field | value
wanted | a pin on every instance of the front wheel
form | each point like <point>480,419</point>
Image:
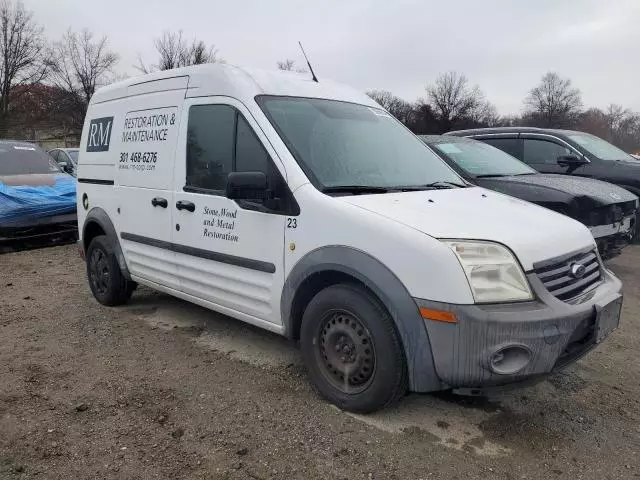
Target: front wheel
<point>352,350</point>
<point>106,281</point>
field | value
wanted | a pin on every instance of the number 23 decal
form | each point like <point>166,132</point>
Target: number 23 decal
<point>292,223</point>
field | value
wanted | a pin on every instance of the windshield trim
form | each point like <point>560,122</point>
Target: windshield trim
<point>313,179</point>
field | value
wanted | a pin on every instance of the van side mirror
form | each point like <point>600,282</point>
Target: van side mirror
<point>571,160</point>
<point>247,186</point>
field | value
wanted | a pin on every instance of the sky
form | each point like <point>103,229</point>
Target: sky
<point>504,46</point>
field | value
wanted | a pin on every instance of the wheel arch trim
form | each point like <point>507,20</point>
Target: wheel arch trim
<point>389,290</point>
<point>98,216</point>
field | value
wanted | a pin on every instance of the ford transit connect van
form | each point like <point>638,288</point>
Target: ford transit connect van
<point>304,208</point>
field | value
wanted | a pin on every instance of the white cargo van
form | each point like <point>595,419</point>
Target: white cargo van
<point>304,208</point>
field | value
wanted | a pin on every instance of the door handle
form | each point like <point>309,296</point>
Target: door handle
<point>184,205</point>
<point>159,202</point>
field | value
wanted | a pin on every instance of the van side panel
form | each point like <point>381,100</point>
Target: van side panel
<point>139,161</point>
<point>146,144</point>
<point>96,164</point>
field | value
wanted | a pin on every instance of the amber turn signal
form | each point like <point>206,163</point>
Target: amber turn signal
<point>438,315</point>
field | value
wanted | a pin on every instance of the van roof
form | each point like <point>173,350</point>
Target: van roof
<point>222,79</point>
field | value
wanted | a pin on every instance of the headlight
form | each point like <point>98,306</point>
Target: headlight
<point>493,273</point>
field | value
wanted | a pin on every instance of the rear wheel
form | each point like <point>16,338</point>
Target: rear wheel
<point>352,350</point>
<point>106,281</point>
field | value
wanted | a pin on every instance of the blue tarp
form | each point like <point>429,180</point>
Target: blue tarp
<point>28,203</point>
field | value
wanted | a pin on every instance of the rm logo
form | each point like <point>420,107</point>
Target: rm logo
<point>99,134</point>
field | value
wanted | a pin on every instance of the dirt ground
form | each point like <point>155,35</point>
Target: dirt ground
<point>163,389</point>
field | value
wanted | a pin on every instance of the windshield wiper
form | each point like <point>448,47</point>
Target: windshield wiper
<point>431,186</point>
<point>498,175</point>
<point>355,189</point>
<point>446,185</point>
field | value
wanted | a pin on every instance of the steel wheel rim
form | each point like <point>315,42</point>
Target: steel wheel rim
<point>99,274</point>
<point>345,352</point>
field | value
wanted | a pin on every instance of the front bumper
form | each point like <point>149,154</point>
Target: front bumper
<point>612,238</point>
<point>27,232</point>
<point>555,333</point>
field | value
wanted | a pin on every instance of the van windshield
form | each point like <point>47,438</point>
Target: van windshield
<point>340,144</point>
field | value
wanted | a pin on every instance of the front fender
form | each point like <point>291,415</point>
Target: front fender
<point>389,290</point>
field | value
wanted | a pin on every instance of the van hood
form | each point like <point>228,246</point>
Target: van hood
<point>533,233</point>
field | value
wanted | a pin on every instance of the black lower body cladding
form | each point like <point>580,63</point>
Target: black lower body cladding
<point>500,344</point>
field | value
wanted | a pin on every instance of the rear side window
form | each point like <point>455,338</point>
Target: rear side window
<point>543,151</point>
<point>220,141</point>
<point>509,145</point>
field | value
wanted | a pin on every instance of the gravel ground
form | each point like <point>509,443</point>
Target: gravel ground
<point>163,389</point>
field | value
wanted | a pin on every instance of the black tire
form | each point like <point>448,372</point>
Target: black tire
<point>352,350</point>
<point>106,281</point>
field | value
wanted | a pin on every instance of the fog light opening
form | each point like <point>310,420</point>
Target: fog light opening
<point>509,360</point>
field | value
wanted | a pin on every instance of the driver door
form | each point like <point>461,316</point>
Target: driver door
<point>230,254</point>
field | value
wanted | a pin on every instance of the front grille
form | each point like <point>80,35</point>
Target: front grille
<point>557,278</point>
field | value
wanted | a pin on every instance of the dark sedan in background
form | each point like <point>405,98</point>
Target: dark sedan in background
<point>66,158</point>
<point>565,152</point>
<point>608,210</point>
<point>37,199</point>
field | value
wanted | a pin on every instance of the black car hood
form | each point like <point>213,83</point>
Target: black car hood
<point>539,188</point>
<point>627,163</point>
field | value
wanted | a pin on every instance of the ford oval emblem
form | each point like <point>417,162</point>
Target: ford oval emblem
<point>615,196</point>
<point>577,270</point>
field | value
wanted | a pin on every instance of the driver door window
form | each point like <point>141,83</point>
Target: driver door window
<point>543,151</point>
<point>219,141</point>
<point>543,154</point>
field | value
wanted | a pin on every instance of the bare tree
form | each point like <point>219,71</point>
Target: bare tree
<point>396,106</point>
<point>288,65</point>
<point>79,65</point>
<point>199,53</point>
<point>22,46</point>
<point>175,52</point>
<point>486,115</point>
<point>554,102</point>
<point>616,115</point>
<point>452,99</point>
